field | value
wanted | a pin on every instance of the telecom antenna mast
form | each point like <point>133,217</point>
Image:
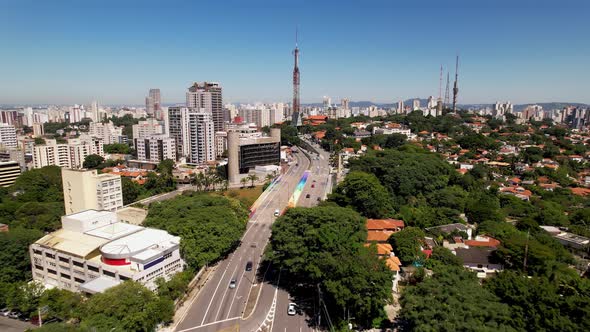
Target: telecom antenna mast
<point>296,116</point>
<point>447,94</point>
<point>455,87</point>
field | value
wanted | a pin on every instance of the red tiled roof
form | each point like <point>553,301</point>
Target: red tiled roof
<point>378,236</point>
<point>384,224</point>
<point>491,242</point>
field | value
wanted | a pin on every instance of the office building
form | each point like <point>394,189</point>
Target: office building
<point>207,96</point>
<point>15,155</point>
<point>9,171</point>
<point>416,105</point>
<point>155,148</point>
<point>344,104</point>
<point>245,154</point>
<point>93,251</point>
<point>86,190</point>
<point>193,132</point>
<point>69,155</point>
<point>153,104</point>
<point>7,135</point>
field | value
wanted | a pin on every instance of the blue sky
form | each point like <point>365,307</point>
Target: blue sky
<point>114,51</point>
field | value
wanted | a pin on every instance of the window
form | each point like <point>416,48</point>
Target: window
<point>39,267</point>
<point>79,264</point>
<point>67,276</point>
<point>63,259</point>
<point>479,266</point>
<point>49,255</point>
<point>92,268</point>
<point>52,271</point>
<point>38,252</point>
<point>123,278</point>
<point>80,281</point>
<point>108,273</point>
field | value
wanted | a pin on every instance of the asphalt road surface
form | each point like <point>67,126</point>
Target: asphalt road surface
<point>218,307</point>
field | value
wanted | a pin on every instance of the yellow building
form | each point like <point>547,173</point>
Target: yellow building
<point>86,190</point>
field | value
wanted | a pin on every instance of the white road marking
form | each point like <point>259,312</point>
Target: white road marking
<point>215,292</point>
<point>224,293</point>
<point>209,324</point>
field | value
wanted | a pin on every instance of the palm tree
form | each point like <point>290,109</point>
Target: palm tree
<point>200,181</point>
<point>269,177</point>
<point>243,181</point>
<point>253,178</point>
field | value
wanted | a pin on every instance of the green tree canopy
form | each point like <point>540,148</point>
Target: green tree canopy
<point>364,193</point>
<point>93,161</point>
<point>209,225</point>
<point>407,243</point>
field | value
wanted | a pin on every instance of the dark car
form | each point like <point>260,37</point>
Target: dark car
<point>313,185</point>
<point>307,196</point>
<point>249,266</point>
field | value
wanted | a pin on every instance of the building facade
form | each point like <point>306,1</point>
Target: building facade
<point>245,154</point>
<point>9,171</point>
<point>155,148</point>
<point>86,189</point>
<point>147,128</point>
<point>86,256</point>
<point>70,155</point>
<point>193,133</point>
<point>7,135</point>
<point>207,96</point>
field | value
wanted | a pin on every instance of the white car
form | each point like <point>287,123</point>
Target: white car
<point>277,212</point>
<point>291,311</point>
<point>232,283</point>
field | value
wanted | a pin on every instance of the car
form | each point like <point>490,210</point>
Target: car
<point>4,312</point>
<point>277,212</point>
<point>291,311</point>
<point>307,196</point>
<point>232,284</point>
<point>15,315</point>
<point>249,266</point>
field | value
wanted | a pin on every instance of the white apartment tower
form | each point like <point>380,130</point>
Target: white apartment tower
<point>155,148</point>
<point>147,128</point>
<point>88,190</point>
<point>207,96</point>
<point>7,135</point>
<point>193,133</point>
<point>70,155</point>
<point>107,132</point>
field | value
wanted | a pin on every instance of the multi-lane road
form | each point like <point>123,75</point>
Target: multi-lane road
<point>221,307</point>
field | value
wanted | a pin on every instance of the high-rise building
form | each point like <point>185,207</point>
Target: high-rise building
<point>7,136</point>
<point>70,155</point>
<point>207,96</point>
<point>88,190</point>
<point>193,132</point>
<point>501,109</point>
<point>107,132</point>
<point>416,104</point>
<point>153,104</point>
<point>344,104</point>
<point>9,117</point>
<point>147,128</point>
<point>95,111</point>
<point>9,171</point>
<point>327,102</point>
<point>38,129</point>
<point>155,148</point>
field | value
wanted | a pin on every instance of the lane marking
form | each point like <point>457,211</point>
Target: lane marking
<point>224,293</point>
<point>209,324</point>
<point>215,292</point>
<point>236,292</point>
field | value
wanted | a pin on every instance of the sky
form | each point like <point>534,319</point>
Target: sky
<point>64,52</point>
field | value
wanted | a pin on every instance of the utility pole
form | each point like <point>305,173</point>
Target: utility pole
<point>526,250</point>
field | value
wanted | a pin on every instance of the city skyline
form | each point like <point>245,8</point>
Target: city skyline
<point>70,53</point>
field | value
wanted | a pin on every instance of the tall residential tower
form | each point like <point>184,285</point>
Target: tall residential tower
<point>207,97</point>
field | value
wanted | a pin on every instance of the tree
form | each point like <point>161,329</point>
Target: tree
<point>131,190</point>
<point>325,246</point>
<point>364,193</point>
<point>126,307</point>
<point>92,161</point>
<point>395,141</point>
<point>14,253</point>
<point>209,225</point>
<point>165,167</point>
<point>482,206</point>
<point>117,148</point>
<point>444,256</point>
<point>407,244</point>
<point>253,178</point>
<point>61,304</point>
<point>453,300</point>
<point>39,185</point>
<point>39,141</point>
<point>176,287</point>
<point>243,181</point>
